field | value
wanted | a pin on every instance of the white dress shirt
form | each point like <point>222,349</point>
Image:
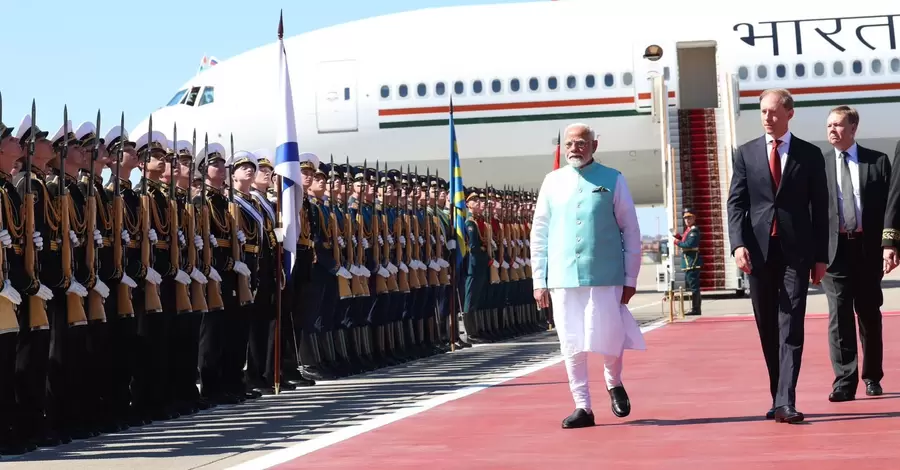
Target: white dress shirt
<point>782,147</point>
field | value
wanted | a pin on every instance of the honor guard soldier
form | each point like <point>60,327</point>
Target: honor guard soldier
<point>66,388</point>
<point>477,278</point>
<point>124,296</point>
<point>190,298</point>
<point>359,218</point>
<point>248,232</point>
<point>152,391</point>
<point>384,281</point>
<point>691,263</point>
<point>16,285</point>
<point>220,270</point>
<point>350,360</point>
<point>391,229</point>
<point>98,260</point>
<point>33,340</point>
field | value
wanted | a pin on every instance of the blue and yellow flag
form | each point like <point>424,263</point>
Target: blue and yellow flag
<point>457,193</point>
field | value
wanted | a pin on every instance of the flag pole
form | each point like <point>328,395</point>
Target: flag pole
<point>454,322</point>
<point>279,265</point>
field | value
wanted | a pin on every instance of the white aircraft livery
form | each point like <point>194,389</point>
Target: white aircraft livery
<point>380,88</point>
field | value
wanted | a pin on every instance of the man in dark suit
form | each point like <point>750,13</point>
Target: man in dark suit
<point>778,226</point>
<point>858,183</point>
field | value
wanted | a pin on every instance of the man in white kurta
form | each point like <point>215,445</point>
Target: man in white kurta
<point>585,255</point>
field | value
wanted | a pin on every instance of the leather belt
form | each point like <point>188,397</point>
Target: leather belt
<point>850,235</point>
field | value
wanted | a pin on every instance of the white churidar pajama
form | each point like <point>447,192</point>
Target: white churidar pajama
<point>592,319</point>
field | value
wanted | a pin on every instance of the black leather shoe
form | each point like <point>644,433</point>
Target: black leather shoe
<point>840,395</point>
<point>788,414</point>
<point>579,419</point>
<point>771,413</point>
<point>873,389</point>
<point>619,402</point>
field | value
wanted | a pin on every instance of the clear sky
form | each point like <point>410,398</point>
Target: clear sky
<point>126,56</point>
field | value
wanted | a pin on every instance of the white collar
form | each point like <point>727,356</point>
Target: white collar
<point>853,151</point>
<point>785,139</point>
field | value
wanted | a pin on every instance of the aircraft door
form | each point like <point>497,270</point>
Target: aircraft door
<point>336,101</point>
<point>651,58</point>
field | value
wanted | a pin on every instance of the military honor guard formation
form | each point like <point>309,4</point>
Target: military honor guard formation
<point>118,300</point>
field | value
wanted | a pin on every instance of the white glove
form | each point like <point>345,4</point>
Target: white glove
<point>380,241</point>
<point>355,242</point>
<point>214,275</point>
<point>527,242</point>
<point>212,241</point>
<point>128,281</point>
<point>515,265</point>
<point>494,244</point>
<point>422,266</point>
<point>365,243</point>
<point>434,266</point>
<point>126,238</point>
<point>404,267</point>
<point>443,240</point>
<point>520,261</point>
<point>74,238</point>
<point>101,289</point>
<point>443,263</point>
<point>505,265</point>
<point>241,237</point>
<point>153,277</point>
<point>402,240</point>
<point>198,243</point>
<point>391,268</point>
<point>421,240</point>
<point>521,243</point>
<point>241,268</point>
<point>198,276</point>
<point>451,244</point>
<point>182,277</point>
<point>38,241</point>
<point>180,238</point>
<point>98,239</point>
<point>527,262</point>
<point>364,271</point>
<point>5,238</point>
<point>433,240</point>
<point>344,273</point>
<point>9,292</point>
<point>354,270</point>
<point>342,242</point>
<point>44,292</point>
<point>390,239</point>
<point>495,264</point>
<point>505,242</point>
<point>77,289</point>
<point>151,234</point>
<point>383,272</point>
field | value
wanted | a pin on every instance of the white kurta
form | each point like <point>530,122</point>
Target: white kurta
<point>593,318</point>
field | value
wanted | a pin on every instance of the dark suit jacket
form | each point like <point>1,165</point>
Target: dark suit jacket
<point>800,205</point>
<point>890,236</point>
<point>874,182</point>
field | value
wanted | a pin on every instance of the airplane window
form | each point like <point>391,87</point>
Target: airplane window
<point>402,90</point>
<point>799,70</point>
<point>895,65</point>
<point>838,68</point>
<point>743,73</point>
<point>192,98</point>
<point>439,89</point>
<point>762,72</point>
<point>496,86</point>
<point>876,66</point>
<point>666,73</point>
<point>514,85</point>
<point>421,89</point>
<point>476,87</point>
<point>780,71</point>
<point>571,82</point>
<point>627,79</point>
<point>533,84</point>
<point>857,67</point>
<point>552,83</point>
<point>385,91</point>
<point>346,94</point>
<point>819,69</point>
<point>589,81</point>
<point>459,88</point>
<point>177,98</point>
<point>208,96</point>
<point>609,80</point>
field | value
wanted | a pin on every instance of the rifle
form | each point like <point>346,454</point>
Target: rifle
<point>417,233</point>
<point>9,323</point>
<point>444,274</point>
<point>198,294</point>
<point>182,298</point>
<point>381,286</point>
<point>245,296</point>
<point>152,303</point>
<point>123,297</point>
<point>344,291</point>
<point>360,232</point>
<point>508,246</point>
<point>37,307</point>
<point>74,306</point>
<point>408,214</point>
<point>489,234</point>
<point>385,255</point>
<point>356,285</point>
<point>433,279</point>
<point>96,309</point>
<point>402,277</point>
<point>213,288</point>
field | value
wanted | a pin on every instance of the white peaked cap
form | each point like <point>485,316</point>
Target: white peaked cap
<point>86,131</point>
<point>214,147</point>
<point>183,146</point>
<point>243,156</point>
<point>25,128</point>
<point>114,135</point>
<point>159,139</point>
<point>309,157</point>
<point>62,131</point>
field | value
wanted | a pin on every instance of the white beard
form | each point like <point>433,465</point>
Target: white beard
<point>577,162</point>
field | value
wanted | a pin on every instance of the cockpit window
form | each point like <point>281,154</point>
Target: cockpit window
<point>208,95</point>
<point>177,98</point>
<point>193,96</point>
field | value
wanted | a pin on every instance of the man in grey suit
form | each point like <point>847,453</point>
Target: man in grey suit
<point>858,184</point>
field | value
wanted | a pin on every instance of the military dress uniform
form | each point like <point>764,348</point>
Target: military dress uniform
<point>691,262</point>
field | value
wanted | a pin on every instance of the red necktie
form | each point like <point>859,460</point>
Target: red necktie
<point>775,170</point>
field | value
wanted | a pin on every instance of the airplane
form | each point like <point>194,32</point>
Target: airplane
<point>380,88</point>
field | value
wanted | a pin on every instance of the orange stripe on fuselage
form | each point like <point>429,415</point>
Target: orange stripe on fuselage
<point>829,89</point>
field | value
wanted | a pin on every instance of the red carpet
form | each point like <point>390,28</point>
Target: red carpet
<point>699,394</point>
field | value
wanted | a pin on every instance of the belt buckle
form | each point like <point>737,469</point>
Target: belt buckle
<point>851,235</point>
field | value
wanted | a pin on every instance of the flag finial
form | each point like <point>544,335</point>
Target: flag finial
<point>280,24</point>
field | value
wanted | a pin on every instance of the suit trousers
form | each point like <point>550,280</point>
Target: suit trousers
<point>778,294</point>
<point>853,282</point>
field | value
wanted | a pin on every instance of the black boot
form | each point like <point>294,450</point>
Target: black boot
<point>695,303</point>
